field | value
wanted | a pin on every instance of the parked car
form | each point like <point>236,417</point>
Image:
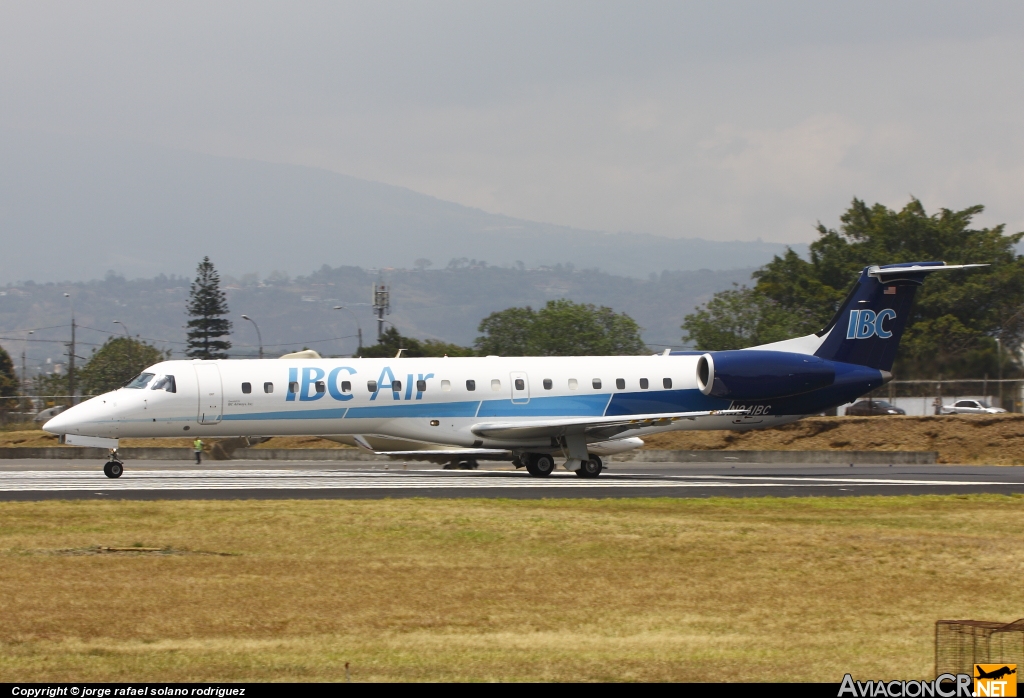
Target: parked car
<point>971,407</point>
<point>872,408</point>
<point>49,413</point>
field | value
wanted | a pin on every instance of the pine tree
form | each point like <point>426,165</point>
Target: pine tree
<point>206,305</point>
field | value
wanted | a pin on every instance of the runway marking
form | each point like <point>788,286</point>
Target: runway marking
<point>333,479</point>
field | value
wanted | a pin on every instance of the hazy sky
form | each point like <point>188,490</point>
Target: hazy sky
<point>718,120</point>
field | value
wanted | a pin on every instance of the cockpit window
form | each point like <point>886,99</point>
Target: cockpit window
<point>139,381</point>
<point>165,383</point>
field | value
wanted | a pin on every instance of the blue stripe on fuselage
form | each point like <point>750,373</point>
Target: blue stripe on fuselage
<point>593,405</point>
<point>653,402</point>
<point>555,406</point>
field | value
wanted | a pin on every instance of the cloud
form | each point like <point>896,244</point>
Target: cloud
<point>725,120</point>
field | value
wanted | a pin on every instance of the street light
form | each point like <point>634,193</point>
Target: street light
<point>123,327</point>
<point>358,327</point>
<point>259,337</point>
<point>128,347</point>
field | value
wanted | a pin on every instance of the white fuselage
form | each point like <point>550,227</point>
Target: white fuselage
<point>427,400</point>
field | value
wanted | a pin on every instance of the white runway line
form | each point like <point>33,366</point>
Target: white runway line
<point>327,479</point>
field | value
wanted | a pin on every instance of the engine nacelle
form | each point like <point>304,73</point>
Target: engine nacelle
<point>761,375</point>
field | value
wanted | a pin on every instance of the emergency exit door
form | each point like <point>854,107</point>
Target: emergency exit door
<point>520,387</point>
<point>211,393</point>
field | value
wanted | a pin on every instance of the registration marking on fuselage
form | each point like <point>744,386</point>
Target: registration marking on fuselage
<point>333,479</point>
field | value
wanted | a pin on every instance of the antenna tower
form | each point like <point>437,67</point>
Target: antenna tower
<point>381,304</point>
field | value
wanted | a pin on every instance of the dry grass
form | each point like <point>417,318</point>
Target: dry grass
<point>641,589</point>
<point>971,439</point>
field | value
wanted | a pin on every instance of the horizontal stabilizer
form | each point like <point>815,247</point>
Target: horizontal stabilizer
<point>891,270</point>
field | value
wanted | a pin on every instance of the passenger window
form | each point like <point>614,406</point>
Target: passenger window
<point>346,386</point>
<point>643,384</point>
<point>596,383</point>
<point>246,388</point>
<point>667,382</point>
<point>321,387</point>
<point>396,386</point>
<point>470,385</point>
<point>421,386</point>
<point>520,384</point>
<point>371,386</point>
<point>293,387</point>
<point>268,387</point>
<point>547,384</point>
<point>572,384</point>
<point>446,386</point>
<point>620,383</point>
<point>495,384</point>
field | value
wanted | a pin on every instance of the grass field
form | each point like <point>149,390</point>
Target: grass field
<point>628,589</point>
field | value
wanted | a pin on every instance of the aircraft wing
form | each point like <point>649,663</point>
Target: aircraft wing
<point>437,455</point>
<point>603,427</point>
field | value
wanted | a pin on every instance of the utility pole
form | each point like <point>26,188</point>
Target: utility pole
<point>381,305</point>
<point>71,354</point>
<point>999,360</point>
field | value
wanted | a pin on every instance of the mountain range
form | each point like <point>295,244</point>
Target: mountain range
<point>72,209</point>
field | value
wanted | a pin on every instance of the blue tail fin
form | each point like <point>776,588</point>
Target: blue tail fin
<point>867,328</point>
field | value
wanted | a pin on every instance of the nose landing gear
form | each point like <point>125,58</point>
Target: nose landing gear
<point>114,466</point>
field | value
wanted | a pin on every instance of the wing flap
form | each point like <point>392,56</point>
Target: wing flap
<point>597,426</point>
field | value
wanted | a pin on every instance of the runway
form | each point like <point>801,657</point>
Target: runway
<point>34,480</point>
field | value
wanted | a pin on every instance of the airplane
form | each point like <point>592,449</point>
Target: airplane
<point>995,674</point>
<point>528,410</point>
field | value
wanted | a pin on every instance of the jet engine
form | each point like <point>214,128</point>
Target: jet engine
<point>761,375</point>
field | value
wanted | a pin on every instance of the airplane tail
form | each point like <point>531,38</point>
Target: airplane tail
<point>868,326</point>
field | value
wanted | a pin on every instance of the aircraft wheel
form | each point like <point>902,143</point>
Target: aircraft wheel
<point>540,464</point>
<point>468,464</point>
<point>113,469</point>
<point>591,468</point>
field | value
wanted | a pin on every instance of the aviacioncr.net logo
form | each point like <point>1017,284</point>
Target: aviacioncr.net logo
<point>945,686</point>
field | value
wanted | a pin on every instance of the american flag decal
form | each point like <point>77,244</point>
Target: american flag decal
<point>890,291</point>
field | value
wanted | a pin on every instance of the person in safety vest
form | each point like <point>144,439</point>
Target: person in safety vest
<point>197,446</point>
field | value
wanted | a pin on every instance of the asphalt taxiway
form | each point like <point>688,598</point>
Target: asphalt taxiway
<point>57,479</point>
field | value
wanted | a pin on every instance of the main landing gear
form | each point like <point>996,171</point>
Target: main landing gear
<point>114,466</point>
<point>539,464</point>
<point>542,465</point>
<point>591,467</point>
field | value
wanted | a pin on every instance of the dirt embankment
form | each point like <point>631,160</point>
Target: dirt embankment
<point>37,438</point>
<point>976,439</point>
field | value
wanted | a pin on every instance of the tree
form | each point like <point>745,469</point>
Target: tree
<point>740,318</point>
<point>560,328</point>
<point>391,341</point>
<point>956,318</point>
<point>206,306</point>
<point>117,361</point>
<point>8,380</point>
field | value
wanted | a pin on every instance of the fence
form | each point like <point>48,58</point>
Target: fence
<point>918,397</point>
<point>960,644</point>
<point>25,408</point>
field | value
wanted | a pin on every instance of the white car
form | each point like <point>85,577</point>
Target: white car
<point>971,407</point>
